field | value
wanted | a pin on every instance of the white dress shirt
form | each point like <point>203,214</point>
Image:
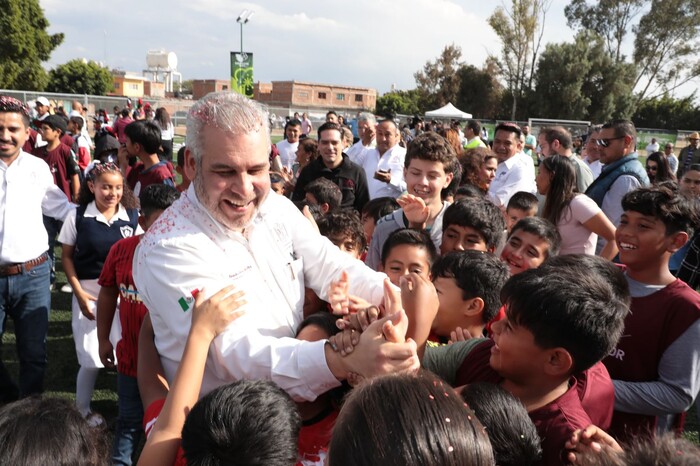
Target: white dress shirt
<point>272,261</point>
<point>354,152</point>
<point>393,161</point>
<point>27,191</point>
<point>513,175</point>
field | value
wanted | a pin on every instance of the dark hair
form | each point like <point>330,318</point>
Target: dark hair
<point>325,192</point>
<point>292,122</point>
<point>145,133</point>
<point>477,274</point>
<point>331,112</point>
<point>85,196</point>
<point>510,128</point>
<point>249,422</point>
<point>431,147</point>
<point>406,419</point>
<point>77,121</point>
<point>479,214</point>
<point>472,161</point>
<point>575,308</point>
<point>418,238</point>
<point>157,196</point>
<point>663,170</point>
<point>664,202</point>
<point>324,320</point>
<point>162,116</point>
<point>557,133</point>
<point>562,186</point>
<point>125,112</point>
<point>522,200</point>
<point>11,105</point>
<point>667,450</point>
<point>310,146</point>
<point>344,223</point>
<point>379,207</point>
<point>452,188</point>
<point>512,433</point>
<point>475,126</point>
<point>542,228</point>
<point>622,128</point>
<point>328,126</point>
<point>181,157</point>
<point>38,430</point>
<point>469,190</point>
<point>314,209</point>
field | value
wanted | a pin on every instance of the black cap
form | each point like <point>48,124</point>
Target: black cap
<point>105,143</point>
<point>55,122</point>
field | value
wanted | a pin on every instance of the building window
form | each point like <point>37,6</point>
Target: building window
<point>358,97</point>
<point>340,97</point>
<point>321,95</point>
<point>304,94</point>
<point>135,87</point>
<point>116,85</point>
<point>224,87</point>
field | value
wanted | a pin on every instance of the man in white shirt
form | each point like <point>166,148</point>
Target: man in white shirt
<point>516,171</point>
<point>228,228</point>
<point>384,165</point>
<point>652,147</point>
<point>366,123</point>
<point>288,147</point>
<point>27,183</point>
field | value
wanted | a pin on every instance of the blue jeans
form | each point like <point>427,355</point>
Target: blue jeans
<point>26,299</point>
<point>53,228</point>
<point>129,422</point>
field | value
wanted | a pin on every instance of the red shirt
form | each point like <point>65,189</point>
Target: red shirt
<point>314,439</point>
<point>62,166</point>
<point>139,177</point>
<point>117,272</point>
<point>119,126</point>
<point>150,416</point>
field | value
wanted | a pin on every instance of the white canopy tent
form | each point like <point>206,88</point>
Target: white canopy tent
<point>448,111</point>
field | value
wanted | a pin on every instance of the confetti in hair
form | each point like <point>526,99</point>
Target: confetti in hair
<point>11,105</point>
<point>101,168</point>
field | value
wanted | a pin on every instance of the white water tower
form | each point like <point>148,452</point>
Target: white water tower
<point>162,66</point>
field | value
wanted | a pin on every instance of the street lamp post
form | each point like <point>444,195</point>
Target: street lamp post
<point>242,19</point>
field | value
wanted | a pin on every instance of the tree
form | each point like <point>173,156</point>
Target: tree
<point>577,81</point>
<point>520,30</point>
<point>80,77</point>
<point>479,91</point>
<point>25,44</point>
<point>666,112</point>
<point>611,19</point>
<point>400,103</point>
<point>439,80</point>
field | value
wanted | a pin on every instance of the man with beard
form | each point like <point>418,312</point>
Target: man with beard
<point>229,229</point>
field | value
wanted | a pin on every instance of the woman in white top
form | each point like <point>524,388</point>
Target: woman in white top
<point>577,217</point>
<point>167,132</point>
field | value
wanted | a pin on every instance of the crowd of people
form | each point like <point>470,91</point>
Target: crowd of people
<point>418,295</point>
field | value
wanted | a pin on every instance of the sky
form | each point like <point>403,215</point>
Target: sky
<point>368,43</point>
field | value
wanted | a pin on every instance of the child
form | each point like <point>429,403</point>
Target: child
<point>106,213</point>
<point>429,165</point>
<point>472,224</point>
<point>142,140</point>
<point>117,283</point>
<point>468,285</point>
<point>522,204</point>
<point>407,251</point>
<point>531,241</point>
<point>654,367</point>
<point>277,184</point>
<point>82,144</point>
<point>373,211</point>
<point>180,169</point>
<point>325,193</point>
<point>560,322</point>
<point>344,229</point>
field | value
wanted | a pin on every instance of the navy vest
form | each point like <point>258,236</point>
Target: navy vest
<point>94,240</point>
<point>627,165</point>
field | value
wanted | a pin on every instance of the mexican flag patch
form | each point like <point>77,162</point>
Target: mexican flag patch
<point>186,302</point>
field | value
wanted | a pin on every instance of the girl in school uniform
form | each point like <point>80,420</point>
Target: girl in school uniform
<point>107,212</point>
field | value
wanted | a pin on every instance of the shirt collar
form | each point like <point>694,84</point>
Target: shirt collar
<point>92,211</point>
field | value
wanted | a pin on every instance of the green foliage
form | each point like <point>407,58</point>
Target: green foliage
<point>581,81</point>
<point>80,77</point>
<point>25,44</point>
<point>669,113</point>
<point>439,80</point>
<point>479,92</point>
<point>400,102</point>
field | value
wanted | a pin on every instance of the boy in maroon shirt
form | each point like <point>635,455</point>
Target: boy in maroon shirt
<point>143,142</point>
<point>59,156</point>
<point>655,365</point>
<point>117,281</point>
<point>560,322</point>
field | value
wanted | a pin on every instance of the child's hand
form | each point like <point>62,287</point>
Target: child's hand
<point>415,210</point>
<point>460,334</point>
<point>86,302</point>
<point>210,317</point>
<point>590,441</point>
<point>338,296</point>
<point>419,299</point>
<point>106,352</point>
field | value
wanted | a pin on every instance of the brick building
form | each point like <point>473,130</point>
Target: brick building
<point>202,87</point>
<point>296,94</point>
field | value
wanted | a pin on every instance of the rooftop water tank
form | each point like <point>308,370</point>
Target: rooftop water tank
<point>161,59</point>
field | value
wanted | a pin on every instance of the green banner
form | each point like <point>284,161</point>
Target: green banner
<point>242,73</point>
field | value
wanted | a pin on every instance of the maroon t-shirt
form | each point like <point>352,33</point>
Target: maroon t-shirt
<point>117,272</point>
<point>139,177</point>
<point>30,142</point>
<point>62,166</point>
<point>654,323</point>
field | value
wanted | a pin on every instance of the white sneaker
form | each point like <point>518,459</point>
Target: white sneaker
<point>66,288</point>
<point>95,420</point>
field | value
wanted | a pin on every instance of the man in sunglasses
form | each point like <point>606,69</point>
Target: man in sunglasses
<point>622,171</point>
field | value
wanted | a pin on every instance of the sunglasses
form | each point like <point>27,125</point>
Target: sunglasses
<point>606,142</point>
